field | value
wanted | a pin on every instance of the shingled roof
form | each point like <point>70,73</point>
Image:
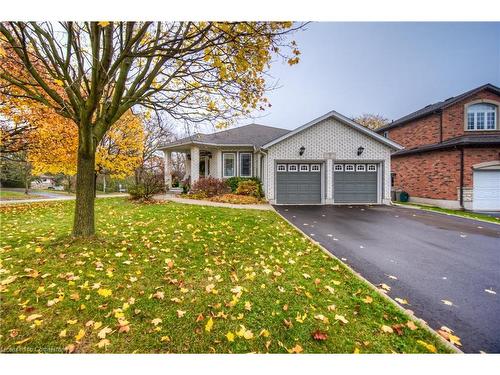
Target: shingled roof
<point>248,135</point>
<point>431,108</point>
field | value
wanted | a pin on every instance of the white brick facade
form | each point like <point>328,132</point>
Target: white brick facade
<point>328,141</point>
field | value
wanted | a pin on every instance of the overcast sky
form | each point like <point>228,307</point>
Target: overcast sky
<point>390,69</point>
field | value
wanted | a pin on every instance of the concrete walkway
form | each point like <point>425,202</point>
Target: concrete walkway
<point>60,198</point>
<point>173,198</point>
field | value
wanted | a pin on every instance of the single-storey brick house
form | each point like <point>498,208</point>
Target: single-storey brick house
<point>452,151</point>
<point>330,160</point>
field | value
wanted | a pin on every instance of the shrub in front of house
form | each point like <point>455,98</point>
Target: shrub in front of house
<point>185,185</point>
<point>233,183</point>
<point>150,185</point>
<point>249,188</point>
<point>210,187</point>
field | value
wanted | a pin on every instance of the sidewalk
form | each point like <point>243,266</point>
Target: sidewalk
<point>61,198</point>
<point>173,198</point>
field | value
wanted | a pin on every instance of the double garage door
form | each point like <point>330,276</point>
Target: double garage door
<point>302,183</point>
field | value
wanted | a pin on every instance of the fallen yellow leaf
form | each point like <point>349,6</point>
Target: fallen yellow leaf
<point>296,349</point>
<point>402,301</point>
<point>209,325</point>
<point>80,335</point>
<point>367,299</point>
<point>103,332</point>
<point>104,292</point>
<point>428,346</point>
<point>411,325</point>
<point>341,318</point>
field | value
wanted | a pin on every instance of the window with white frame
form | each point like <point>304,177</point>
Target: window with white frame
<point>228,165</point>
<point>349,168</point>
<point>360,168</point>
<point>281,168</point>
<point>372,167</point>
<point>293,168</point>
<point>304,168</point>
<point>338,168</point>
<point>482,116</point>
<point>245,164</point>
<point>315,167</point>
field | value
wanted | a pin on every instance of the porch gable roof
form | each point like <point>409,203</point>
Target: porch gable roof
<point>252,135</point>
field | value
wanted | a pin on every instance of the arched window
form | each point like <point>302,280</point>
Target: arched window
<point>482,116</point>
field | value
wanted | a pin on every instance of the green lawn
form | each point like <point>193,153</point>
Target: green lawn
<point>184,278</point>
<point>467,214</point>
<point>12,195</point>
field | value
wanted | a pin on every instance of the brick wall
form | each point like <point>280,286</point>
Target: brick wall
<point>417,133</point>
<point>434,175</point>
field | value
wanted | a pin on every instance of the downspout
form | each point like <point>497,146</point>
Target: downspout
<point>462,178</point>
<point>440,126</point>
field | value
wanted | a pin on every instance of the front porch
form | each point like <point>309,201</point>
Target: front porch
<point>214,161</point>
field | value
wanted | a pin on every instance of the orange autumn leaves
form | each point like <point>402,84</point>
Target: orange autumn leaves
<point>53,147</point>
<point>51,140</point>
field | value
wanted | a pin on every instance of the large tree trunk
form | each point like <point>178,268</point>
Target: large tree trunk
<point>83,225</point>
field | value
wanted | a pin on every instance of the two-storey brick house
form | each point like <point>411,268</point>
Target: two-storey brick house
<point>452,151</point>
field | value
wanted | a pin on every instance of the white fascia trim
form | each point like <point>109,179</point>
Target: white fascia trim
<point>344,120</point>
<point>204,144</point>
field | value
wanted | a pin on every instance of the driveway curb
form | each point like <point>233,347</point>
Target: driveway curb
<point>422,323</point>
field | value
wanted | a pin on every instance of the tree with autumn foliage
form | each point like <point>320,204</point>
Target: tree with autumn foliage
<point>371,121</point>
<point>53,147</point>
<point>94,72</point>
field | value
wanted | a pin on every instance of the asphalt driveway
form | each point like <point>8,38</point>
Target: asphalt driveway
<point>425,257</point>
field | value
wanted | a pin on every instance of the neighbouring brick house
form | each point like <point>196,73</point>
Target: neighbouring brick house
<point>452,151</point>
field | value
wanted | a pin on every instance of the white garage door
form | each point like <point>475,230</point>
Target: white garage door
<point>486,194</point>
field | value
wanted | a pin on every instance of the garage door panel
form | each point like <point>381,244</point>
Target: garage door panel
<point>298,187</point>
<point>355,187</point>
<point>486,190</point>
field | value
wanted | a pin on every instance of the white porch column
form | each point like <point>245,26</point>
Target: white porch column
<point>168,169</point>
<point>257,162</point>
<point>329,181</point>
<point>207,167</point>
<point>187,165</point>
<point>217,172</point>
<point>195,164</point>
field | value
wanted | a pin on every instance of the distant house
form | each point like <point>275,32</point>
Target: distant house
<point>330,160</point>
<point>43,182</point>
<point>452,151</point>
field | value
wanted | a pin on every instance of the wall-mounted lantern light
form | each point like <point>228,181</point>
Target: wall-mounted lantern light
<point>360,150</point>
<point>301,150</point>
